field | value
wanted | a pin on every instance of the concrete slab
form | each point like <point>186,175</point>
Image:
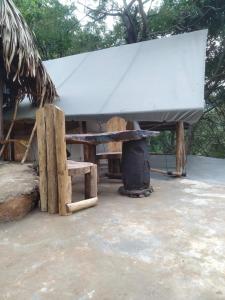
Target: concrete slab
<point>170,245</point>
<point>206,169</point>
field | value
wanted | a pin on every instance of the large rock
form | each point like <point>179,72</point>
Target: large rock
<point>19,190</point>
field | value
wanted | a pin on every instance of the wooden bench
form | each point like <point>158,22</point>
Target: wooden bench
<point>89,170</point>
<point>55,171</point>
<point>114,163</point>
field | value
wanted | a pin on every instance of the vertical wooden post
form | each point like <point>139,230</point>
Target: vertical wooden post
<point>180,148</point>
<point>42,157</point>
<point>1,107</point>
<point>64,181</point>
<point>91,183</point>
<point>115,124</point>
<point>90,153</point>
<point>53,206</point>
<point>84,126</point>
<point>90,156</point>
<point>55,184</point>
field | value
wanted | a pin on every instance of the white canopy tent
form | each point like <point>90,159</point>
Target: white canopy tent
<point>159,81</point>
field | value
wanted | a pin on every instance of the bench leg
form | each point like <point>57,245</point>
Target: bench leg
<point>91,183</point>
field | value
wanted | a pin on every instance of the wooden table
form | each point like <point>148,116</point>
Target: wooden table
<point>90,140</point>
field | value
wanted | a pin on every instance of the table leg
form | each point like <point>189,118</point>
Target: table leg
<point>90,156</point>
<point>90,153</point>
<point>135,169</point>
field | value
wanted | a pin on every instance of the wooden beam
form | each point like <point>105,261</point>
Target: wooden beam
<point>107,137</point>
<point>109,155</point>
<point>42,157</point>
<point>76,206</point>
<point>53,206</point>
<point>90,153</point>
<point>115,124</point>
<point>64,181</point>
<point>1,107</point>
<point>180,149</point>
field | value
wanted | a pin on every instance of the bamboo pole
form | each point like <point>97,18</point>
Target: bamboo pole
<point>34,130</point>
<point>163,172</point>
<point>76,206</point>
<point>29,143</point>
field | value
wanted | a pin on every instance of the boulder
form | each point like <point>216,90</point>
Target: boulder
<point>19,190</point>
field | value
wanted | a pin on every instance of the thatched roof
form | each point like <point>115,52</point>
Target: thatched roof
<point>23,70</point>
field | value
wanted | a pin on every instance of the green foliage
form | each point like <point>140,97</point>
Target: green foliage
<point>57,29</point>
<point>181,16</point>
<point>52,23</point>
<point>164,143</point>
<point>209,138</point>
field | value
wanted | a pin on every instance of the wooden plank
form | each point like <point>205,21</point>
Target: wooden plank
<point>78,168</point>
<point>91,183</point>
<point>42,157</point>
<point>115,124</point>
<point>107,137</point>
<point>76,206</point>
<point>64,181</point>
<point>109,155</point>
<point>51,160</point>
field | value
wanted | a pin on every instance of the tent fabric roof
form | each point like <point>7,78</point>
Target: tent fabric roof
<point>159,80</point>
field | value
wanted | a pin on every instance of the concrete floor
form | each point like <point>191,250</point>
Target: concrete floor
<point>168,246</point>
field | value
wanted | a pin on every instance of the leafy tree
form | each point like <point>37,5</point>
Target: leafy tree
<point>57,29</point>
<point>132,18</point>
<point>54,25</point>
<point>174,17</point>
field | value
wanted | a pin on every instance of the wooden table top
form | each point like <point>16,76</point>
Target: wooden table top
<point>107,137</point>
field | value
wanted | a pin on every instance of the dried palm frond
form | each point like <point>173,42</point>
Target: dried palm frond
<point>19,57</point>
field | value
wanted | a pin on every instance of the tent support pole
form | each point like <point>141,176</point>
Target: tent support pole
<point>180,149</point>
